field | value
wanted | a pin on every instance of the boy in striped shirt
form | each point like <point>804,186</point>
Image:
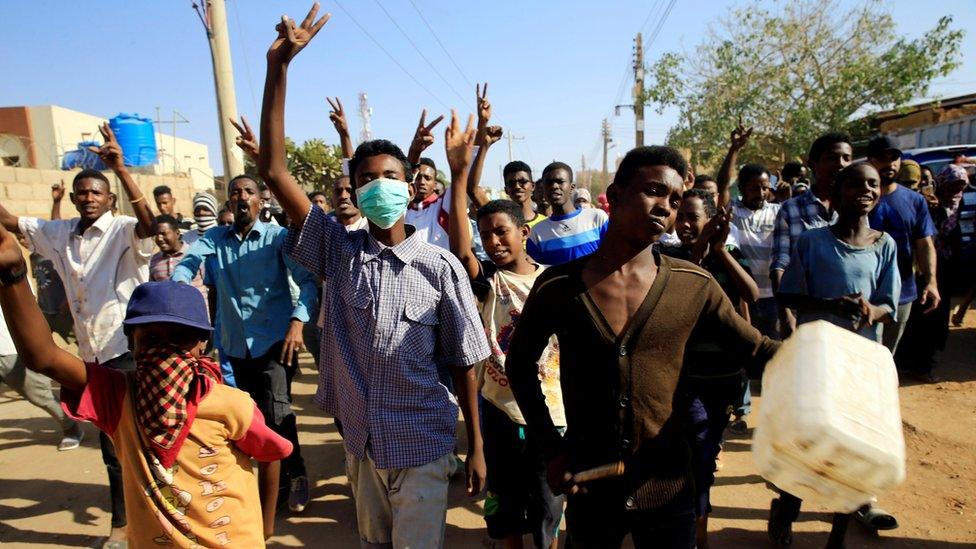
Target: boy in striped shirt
<point>569,233</point>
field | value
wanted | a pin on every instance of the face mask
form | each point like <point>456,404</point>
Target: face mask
<point>383,201</point>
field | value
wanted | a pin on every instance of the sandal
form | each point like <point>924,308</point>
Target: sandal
<point>876,518</point>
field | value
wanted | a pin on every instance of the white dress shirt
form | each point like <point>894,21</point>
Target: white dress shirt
<point>100,269</point>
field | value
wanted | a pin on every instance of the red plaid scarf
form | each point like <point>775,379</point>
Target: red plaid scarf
<point>442,218</point>
<point>169,385</point>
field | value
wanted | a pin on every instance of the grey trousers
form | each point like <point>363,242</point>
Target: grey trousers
<point>891,333</point>
<point>400,508</point>
<point>34,387</point>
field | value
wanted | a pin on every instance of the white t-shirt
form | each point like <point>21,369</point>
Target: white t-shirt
<point>428,221</point>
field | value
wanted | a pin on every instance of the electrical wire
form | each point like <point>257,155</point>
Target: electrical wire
<point>660,25</point>
<point>397,63</point>
<point>418,50</point>
<point>439,43</point>
<point>247,65</point>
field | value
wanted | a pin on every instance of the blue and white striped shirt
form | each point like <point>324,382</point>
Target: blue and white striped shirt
<point>561,239</point>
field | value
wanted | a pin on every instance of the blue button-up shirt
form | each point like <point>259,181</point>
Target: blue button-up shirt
<point>254,304</point>
<point>393,317</point>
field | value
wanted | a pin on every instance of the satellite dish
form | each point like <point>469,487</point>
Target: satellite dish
<point>12,151</point>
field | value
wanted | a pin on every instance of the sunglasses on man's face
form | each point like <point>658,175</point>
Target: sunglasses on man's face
<point>518,182</point>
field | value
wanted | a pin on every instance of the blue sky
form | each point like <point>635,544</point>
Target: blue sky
<point>554,68</point>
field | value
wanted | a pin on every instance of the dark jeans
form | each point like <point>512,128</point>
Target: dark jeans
<point>519,499</point>
<point>123,363</point>
<point>311,334</point>
<point>712,401</point>
<point>765,317</point>
<point>600,520</point>
<point>926,333</point>
<point>268,381</point>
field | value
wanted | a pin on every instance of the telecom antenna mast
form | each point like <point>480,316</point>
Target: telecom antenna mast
<point>365,112</point>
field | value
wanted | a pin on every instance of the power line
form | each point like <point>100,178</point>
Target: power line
<point>247,65</point>
<point>660,25</point>
<point>418,50</point>
<point>439,43</point>
<point>397,63</point>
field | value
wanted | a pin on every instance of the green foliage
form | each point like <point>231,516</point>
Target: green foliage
<point>314,164</point>
<point>806,68</point>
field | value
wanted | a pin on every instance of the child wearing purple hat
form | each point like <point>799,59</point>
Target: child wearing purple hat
<point>185,439</point>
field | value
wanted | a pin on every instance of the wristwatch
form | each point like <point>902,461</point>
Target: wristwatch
<point>13,276</point>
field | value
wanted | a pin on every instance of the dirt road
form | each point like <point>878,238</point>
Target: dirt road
<point>52,499</point>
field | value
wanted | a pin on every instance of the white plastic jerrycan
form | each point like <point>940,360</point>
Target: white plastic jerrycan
<point>829,428</point>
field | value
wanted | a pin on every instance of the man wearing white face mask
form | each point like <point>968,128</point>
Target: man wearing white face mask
<point>396,310</point>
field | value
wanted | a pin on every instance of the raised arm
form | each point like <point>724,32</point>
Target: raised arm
<point>739,138</point>
<point>246,140</point>
<point>272,166</point>
<point>111,154</point>
<point>28,329</point>
<point>338,117</point>
<point>486,137</point>
<point>459,145</point>
<point>57,194</point>
<point>9,221</point>
<point>423,137</point>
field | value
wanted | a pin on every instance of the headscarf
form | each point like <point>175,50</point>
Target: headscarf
<point>208,201</point>
<point>948,174</point>
<point>910,172</point>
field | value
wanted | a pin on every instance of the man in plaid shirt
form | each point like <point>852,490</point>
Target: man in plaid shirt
<point>397,311</point>
<point>829,154</point>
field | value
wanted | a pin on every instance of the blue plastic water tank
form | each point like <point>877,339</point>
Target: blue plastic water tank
<point>82,157</point>
<point>136,137</point>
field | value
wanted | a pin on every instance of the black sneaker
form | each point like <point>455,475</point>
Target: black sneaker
<point>298,494</point>
<point>739,427</point>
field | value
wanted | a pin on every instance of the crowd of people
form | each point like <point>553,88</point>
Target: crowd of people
<point>597,352</point>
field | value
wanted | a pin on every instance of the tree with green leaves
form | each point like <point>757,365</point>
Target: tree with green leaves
<point>793,73</point>
<point>314,164</point>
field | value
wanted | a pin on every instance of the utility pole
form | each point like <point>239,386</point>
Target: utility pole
<point>214,19</point>
<point>511,137</point>
<point>583,179</point>
<point>639,89</point>
<point>606,146</point>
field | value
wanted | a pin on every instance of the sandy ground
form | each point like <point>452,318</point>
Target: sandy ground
<point>53,499</point>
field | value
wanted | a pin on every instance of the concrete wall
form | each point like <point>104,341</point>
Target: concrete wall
<point>27,191</point>
<point>51,131</point>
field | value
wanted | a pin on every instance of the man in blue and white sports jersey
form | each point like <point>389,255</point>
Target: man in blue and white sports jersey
<point>570,232</point>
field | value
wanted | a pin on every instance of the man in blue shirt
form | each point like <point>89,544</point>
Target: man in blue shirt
<point>260,325</point>
<point>904,214</point>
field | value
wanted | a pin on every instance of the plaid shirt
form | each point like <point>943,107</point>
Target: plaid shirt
<point>394,316</point>
<point>162,267</point>
<point>795,216</point>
